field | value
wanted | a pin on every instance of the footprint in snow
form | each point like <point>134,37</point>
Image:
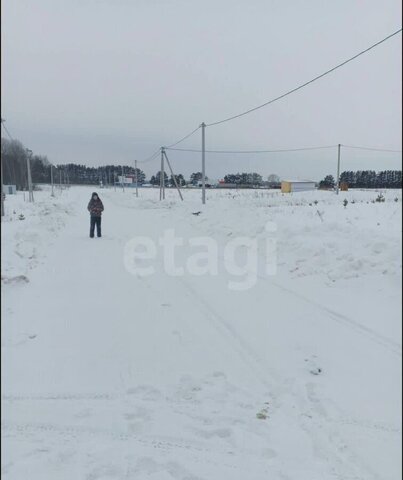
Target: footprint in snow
<point>314,370</point>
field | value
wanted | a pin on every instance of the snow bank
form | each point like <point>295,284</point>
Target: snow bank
<point>28,230</point>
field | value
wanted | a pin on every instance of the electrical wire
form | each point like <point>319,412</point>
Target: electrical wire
<point>372,148</point>
<point>11,173</point>
<point>154,155</point>
<point>151,157</point>
<point>5,128</point>
<point>184,138</point>
<point>306,83</point>
<point>254,151</point>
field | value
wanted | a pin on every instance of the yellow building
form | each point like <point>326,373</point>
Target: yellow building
<point>288,186</point>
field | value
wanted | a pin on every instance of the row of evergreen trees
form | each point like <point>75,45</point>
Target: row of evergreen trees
<point>250,179</point>
<point>366,179</point>
<point>372,179</point>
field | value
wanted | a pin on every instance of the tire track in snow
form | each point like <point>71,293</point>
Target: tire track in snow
<point>331,444</point>
<point>61,396</point>
<point>376,337</point>
<point>390,345</point>
<point>153,441</point>
<point>345,455</point>
<point>239,345</point>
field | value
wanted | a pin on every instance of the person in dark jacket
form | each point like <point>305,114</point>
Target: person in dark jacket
<point>95,207</point>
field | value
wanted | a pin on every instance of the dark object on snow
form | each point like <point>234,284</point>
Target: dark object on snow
<point>196,213</point>
<point>95,207</point>
<point>17,279</point>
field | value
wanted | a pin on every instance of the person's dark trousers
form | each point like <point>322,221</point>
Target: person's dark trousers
<point>95,221</point>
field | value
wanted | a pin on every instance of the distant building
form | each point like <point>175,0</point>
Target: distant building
<point>127,179</point>
<point>288,186</point>
<point>223,184</point>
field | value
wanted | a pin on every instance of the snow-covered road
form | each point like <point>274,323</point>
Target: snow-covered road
<point>111,375</point>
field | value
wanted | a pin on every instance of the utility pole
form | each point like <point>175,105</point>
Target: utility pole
<point>2,188</point>
<point>162,161</point>
<point>60,179</point>
<point>203,127</point>
<point>338,169</point>
<point>31,193</point>
<point>2,182</point>
<point>162,175</point>
<point>137,178</point>
<point>123,182</point>
<point>173,176</point>
<point>51,179</point>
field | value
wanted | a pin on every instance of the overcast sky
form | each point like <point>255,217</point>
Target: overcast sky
<point>110,81</point>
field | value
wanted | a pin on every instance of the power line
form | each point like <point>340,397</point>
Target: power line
<point>372,148</point>
<point>184,138</point>
<point>306,83</point>
<point>156,154</point>
<point>253,151</point>
<point>151,157</point>
<point>5,128</point>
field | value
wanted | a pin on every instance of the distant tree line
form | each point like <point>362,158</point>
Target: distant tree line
<point>250,179</point>
<point>14,161</point>
<point>14,158</point>
<point>107,174</point>
<point>366,179</point>
<point>372,179</point>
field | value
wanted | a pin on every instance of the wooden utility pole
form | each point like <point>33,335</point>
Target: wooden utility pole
<point>338,169</point>
<point>203,127</point>
<point>173,176</point>
<point>30,187</point>
<point>137,179</point>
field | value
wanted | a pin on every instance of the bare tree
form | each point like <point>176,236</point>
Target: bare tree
<point>273,178</point>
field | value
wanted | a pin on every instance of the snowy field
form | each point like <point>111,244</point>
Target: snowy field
<point>108,374</point>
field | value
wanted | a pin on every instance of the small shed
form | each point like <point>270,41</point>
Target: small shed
<point>288,186</point>
<point>9,189</point>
